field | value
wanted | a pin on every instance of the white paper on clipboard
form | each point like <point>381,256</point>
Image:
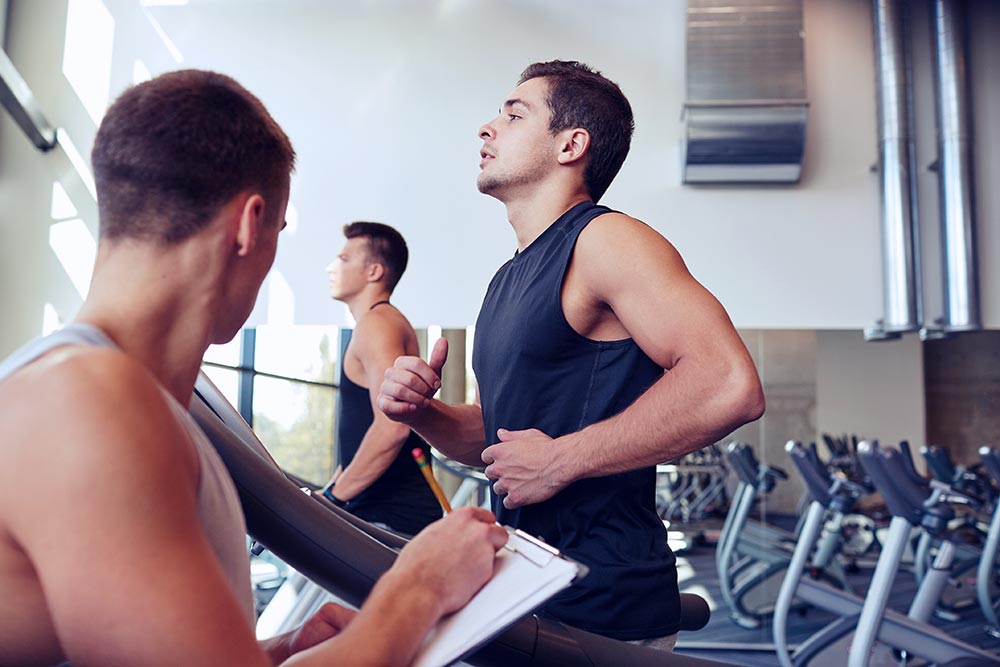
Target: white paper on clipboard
<point>526,573</point>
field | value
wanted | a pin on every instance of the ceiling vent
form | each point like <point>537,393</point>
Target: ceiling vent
<point>745,115</point>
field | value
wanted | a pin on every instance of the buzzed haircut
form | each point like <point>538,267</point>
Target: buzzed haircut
<point>386,246</point>
<point>579,96</point>
<point>172,150</point>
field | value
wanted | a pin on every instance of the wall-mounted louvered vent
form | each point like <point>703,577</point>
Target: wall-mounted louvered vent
<point>745,116</point>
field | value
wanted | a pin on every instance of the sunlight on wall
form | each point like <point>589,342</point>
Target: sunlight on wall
<point>90,34</point>
<point>62,208</point>
<point>50,319</point>
<point>140,72</point>
<point>280,299</point>
<point>175,53</point>
<point>80,165</point>
<point>76,249</point>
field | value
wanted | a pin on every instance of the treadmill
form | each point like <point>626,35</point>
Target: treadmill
<point>346,555</point>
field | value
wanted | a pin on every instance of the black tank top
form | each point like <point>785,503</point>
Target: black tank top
<point>535,371</point>
<point>400,498</point>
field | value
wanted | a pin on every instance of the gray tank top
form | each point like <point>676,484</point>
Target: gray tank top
<point>218,503</point>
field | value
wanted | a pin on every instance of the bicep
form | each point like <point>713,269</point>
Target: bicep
<point>668,313</point>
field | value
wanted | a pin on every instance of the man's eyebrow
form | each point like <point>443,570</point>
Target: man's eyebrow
<point>516,102</point>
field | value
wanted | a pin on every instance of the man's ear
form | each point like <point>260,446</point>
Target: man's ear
<point>249,223</point>
<point>575,143</point>
<point>375,272</point>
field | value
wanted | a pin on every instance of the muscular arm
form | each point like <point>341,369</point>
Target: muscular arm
<point>406,396</point>
<point>710,388</point>
<point>455,430</point>
<point>377,341</point>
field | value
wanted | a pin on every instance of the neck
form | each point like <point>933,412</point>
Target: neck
<point>531,215</point>
<point>362,303</point>
<point>137,297</point>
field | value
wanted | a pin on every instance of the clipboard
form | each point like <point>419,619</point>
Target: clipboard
<point>526,573</point>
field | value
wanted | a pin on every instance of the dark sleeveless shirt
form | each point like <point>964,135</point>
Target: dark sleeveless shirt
<point>400,498</point>
<point>535,371</point>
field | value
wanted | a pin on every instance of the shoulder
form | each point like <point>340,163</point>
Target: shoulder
<point>613,242</point>
<point>382,321</point>
<point>384,327</point>
<point>77,379</point>
<point>82,414</point>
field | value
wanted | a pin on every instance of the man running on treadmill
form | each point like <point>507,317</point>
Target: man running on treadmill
<point>377,479</point>
<point>572,342</point>
<point>121,536</point>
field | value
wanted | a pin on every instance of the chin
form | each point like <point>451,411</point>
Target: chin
<point>486,185</point>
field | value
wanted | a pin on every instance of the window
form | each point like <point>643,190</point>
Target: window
<point>281,379</point>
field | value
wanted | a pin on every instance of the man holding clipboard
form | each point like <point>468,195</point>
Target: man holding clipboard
<point>573,406</point>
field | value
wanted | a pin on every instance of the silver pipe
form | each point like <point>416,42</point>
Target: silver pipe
<point>955,170</point>
<point>900,267</point>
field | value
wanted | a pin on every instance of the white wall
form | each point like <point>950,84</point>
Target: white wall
<point>383,99</point>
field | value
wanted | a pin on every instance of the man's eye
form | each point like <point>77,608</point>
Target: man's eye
<point>513,116</point>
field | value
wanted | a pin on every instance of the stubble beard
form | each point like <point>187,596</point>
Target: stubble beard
<point>495,185</point>
<point>488,184</point>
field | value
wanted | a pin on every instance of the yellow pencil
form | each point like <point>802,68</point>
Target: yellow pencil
<point>418,456</point>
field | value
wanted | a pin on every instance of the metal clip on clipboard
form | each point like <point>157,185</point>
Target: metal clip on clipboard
<point>537,551</point>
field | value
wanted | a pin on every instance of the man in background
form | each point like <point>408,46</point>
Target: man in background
<point>377,479</point>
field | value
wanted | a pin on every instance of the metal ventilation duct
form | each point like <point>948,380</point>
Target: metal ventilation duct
<point>955,172</point>
<point>745,116</point>
<point>900,267</point>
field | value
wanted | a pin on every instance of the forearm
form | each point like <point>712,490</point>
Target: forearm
<point>455,430</point>
<point>680,413</point>
<point>386,632</point>
<point>378,449</point>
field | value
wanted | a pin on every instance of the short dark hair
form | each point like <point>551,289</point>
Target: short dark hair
<point>386,246</point>
<point>172,150</point>
<point>582,97</point>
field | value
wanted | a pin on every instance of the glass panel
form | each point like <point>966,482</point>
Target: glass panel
<point>227,381</point>
<point>227,353</point>
<point>296,423</point>
<point>304,352</point>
